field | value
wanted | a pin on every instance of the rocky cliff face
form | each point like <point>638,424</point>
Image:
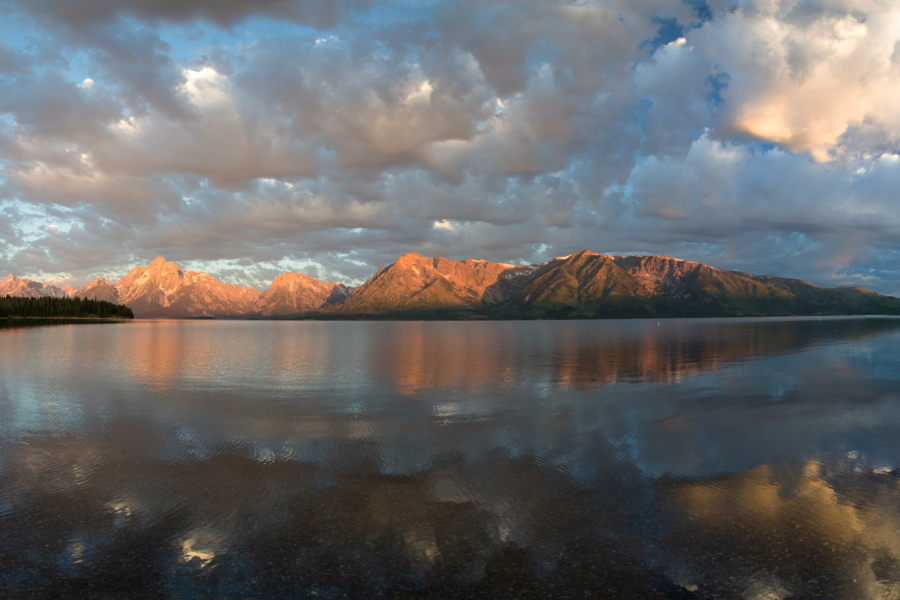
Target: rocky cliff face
<point>582,278</point>
<point>25,288</point>
<point>162,289</point>
<point>683,279</point>
<point>294,293</point>
<point>98,289</point>
<point>659,274</point>
<point>415,283</point>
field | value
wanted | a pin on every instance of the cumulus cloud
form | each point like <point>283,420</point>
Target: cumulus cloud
<point>748,203</point>
<point>818,78</point>
<point>248,137</point>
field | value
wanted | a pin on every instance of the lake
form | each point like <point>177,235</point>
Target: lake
<point>742,458</point>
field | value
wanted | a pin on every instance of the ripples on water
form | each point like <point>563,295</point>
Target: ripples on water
<point>753,459</point>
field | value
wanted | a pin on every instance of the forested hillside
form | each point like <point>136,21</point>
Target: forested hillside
<point>65,308</point>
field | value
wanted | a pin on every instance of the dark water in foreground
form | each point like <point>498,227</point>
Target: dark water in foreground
<point>754,459</point>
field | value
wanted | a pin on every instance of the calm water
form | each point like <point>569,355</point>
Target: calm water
<point>753,459</point>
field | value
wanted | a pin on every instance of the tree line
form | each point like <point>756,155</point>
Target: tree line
<point>71,308</point>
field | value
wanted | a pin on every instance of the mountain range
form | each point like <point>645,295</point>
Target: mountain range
<point>581,285</point>
<point>25,288</point>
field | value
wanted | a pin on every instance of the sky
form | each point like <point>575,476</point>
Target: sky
<point>247,138</point>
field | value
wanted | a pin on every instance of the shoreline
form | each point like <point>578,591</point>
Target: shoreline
<point>20,318</point>
<point>396,319</point>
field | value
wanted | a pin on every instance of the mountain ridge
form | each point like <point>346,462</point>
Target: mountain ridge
<point>585,284</point>
<point>26,288</point>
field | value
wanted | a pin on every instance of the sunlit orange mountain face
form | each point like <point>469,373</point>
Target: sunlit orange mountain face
<point>582,285</point>
<point>98,289</point>
<point>162,289</point>
<point>295,293</point>
<point>25,288</point>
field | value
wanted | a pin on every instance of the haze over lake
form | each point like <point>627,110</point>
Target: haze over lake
<point>743,458</point>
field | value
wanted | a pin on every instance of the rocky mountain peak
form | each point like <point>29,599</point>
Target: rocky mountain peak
<point>98,289</point>
<point>414,282</point>
<point>158,262</point>
<point>411,257</point>
<point>291,279</point>
<point>581,255</point>
<point>585,284</point>
<point>26,288</point>
<point>295,293</point>
<point>163,289</point>
<point>99,281</point>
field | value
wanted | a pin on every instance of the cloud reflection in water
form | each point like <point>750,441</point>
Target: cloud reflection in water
<point>744,459</point>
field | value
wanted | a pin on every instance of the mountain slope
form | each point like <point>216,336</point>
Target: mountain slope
<point>98,289</point>
<point>162,289</point>
<point>293,293</point>
<point>25,288</point>
<point>582,285</point>
<point>414,283</point>
<point>591,285</point>
<point>694,289</point>
<point>585,278</point>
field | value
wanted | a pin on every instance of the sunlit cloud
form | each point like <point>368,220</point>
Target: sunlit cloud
<point>334,137</point>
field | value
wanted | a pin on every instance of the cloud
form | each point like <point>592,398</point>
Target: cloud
<point>815,78</point>
<point>12,61</point>
<point>226,14</point>
<point>749,202</point>
<point>333,136</point>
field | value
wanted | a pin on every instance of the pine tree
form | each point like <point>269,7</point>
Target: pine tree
<point>48,307</point>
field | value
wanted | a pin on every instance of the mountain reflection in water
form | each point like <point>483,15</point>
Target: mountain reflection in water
<point>690,459</point>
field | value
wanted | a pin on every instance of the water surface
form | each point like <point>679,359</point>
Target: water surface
<point>748,458</point>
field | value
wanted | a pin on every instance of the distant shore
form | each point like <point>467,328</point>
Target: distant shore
<point>482,318</point>
<point>21,318</point>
